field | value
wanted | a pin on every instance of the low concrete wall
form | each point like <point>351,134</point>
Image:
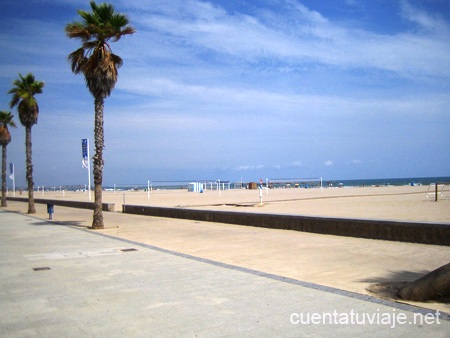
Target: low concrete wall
<point>62,203</point>
<point>426,233</point>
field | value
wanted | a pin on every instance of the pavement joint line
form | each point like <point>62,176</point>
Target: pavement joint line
<point>367,298</point>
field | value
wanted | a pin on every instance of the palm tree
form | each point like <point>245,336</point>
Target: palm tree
<point>96,61</point>
<point>6,119</point>
<point>23,96</point>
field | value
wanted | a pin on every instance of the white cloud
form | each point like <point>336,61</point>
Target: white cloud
<point>302,35</point>
<point>328,163</point>
<point>423,19</point>
<point>249,167</point>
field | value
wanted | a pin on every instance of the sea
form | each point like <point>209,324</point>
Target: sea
<point>294,182</point>
<point>394,181</point>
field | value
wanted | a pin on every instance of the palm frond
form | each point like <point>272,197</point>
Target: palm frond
<point>117,60</point>
<point>23,96</point>
<point>78,30</point>
<point>95,59</point>
<point>101,24</point>
<point>7,119</point>
<point>77,60</point>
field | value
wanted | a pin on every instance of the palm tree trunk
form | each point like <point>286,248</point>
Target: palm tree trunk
<point>4,204</point>
<point>97,222</point>
<point>29,164</point>
<point>433,286</point>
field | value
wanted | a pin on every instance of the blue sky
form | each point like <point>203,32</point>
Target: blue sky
<point>338,89</point>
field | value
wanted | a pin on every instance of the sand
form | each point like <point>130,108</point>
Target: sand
<point>412,203</point>
<point>346,263</point>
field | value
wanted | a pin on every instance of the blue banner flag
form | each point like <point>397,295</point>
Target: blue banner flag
<point>84,150</point>
<point>11,170</point>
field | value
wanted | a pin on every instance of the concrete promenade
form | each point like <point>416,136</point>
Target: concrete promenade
<point>60,280</point>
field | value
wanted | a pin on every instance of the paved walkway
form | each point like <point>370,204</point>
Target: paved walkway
<point>64,281</point>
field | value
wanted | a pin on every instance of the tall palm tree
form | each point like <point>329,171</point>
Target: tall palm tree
<point>23,92</point>
<point>6,120</point>
<point>96,61</point>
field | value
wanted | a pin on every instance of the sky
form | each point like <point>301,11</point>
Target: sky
<point>240,90</point>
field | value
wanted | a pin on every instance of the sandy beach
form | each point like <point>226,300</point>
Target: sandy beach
<point>346,263</point>
<point>412,203</point>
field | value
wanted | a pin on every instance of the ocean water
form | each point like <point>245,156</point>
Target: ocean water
<point>393,181</point>
<point>303,183</point>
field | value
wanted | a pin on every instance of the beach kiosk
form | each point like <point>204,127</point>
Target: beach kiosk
<point>195,187</point>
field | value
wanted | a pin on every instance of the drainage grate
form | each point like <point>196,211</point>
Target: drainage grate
<point>41,268</point>
<point>126,250</point>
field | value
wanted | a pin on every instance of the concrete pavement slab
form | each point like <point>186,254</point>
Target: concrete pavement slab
<point>90,284</point>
